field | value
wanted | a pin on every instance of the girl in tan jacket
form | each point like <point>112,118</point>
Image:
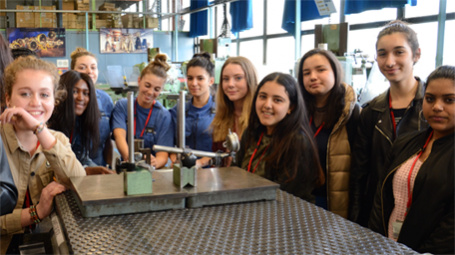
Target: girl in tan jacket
<point>333,113</point>
<point>35,153</point>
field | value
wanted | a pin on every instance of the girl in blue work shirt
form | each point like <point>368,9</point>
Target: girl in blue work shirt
<point>84,61</point>
<point>78,118</point>
<point>152,121</point>
<point>200,110</point>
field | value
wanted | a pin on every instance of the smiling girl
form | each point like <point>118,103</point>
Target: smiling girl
<point>333,112</point>
<point>200,110</point>
<point>78,118</point>
<point>152,120</point>
<point>85,62</point>
<point>278,143</point>
<point>233,102</point>
<point>414,203</point>
<point>35,153</point>
<point>388,116</point>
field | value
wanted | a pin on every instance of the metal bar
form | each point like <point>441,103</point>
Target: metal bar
<point>297,29</point>
<point>181,119</point>
<point>210,23</point>
<point>93,15</point>
<point>342,15</point>
<point>238,44</point>
<point>176,38</point>
<point>213,4</point>
<point>441,31</point>
<point>197,153</point>
<point>76,11</point>
<point>86,32</point>
<point>401,13</point>
<point>144,8</point>
<point>216,21</point>
<point>130,134</point>
<point>40,24</point>
<point>264,36</point>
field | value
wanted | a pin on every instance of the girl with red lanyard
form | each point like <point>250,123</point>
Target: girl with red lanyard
<point>78,118</point>
<point>414,202</point>
<point>152,122</point>
<point>388,116</point>
<point>278,143</point>
<point>333,114</point>
<point>238,81</point>
<point>35,153</point>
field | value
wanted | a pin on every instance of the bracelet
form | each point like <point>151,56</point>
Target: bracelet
<point>39,128</point>
<point>34,214</point>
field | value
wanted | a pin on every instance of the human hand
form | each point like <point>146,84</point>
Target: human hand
<point>20,118</point>
<point>94,170</point>
<point>47,196</point>
<point>152,160</point>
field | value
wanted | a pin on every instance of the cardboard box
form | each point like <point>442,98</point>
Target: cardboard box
<point>149,22</point>
<point>105,16</point>
<point>72,25</point>
<point>2,6</point>
<point>82,6</point>
<point>48,24</point>
<point>68,5</point>
<point>25,19</point>
<point>101,23</point>
<point>45,16</point>
<point>107,5</point>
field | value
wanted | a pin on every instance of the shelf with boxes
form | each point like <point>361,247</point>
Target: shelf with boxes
<point>74,16</point>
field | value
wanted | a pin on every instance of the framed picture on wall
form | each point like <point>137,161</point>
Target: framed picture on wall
<point>45,42</point>
<point>127,40</point>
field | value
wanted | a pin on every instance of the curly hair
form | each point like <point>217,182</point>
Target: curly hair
<point>32,63</point>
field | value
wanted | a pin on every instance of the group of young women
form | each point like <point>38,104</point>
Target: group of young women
<point>310,135</point>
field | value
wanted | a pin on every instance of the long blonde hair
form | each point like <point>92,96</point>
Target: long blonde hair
<point>224,117</point>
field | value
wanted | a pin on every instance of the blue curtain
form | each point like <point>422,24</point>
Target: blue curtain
<point>308,11</point>
<point>241,15</point>
<point>356,6</point>
<point>198,20</point>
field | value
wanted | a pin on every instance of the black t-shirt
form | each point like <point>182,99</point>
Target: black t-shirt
<point>321,142</point>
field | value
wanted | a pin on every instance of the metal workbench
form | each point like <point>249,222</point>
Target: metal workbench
<point>287,225</point>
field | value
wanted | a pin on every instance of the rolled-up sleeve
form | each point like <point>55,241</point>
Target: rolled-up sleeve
<point>63,160</point>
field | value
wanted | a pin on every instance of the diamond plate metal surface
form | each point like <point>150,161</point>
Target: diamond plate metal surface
<point>287,225</point>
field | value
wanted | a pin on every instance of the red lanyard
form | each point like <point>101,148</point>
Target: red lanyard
<point>71,138</point>
<point>393,117</point>
<point>146,122</point>
<point>408,205</point>
<point>319,129</point>
<point>254,153</point>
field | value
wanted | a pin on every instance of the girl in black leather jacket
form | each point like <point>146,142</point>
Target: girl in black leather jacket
<point>414,202</point>
<point>386,117</point>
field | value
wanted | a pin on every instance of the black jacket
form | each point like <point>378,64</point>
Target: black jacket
<point>429,225</point>
<point>8,191</point>
<point>372,145</point>
<point>304,183</point>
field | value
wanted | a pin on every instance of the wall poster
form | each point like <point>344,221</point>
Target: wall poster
<point>126,40</point>
<point>45,42</point>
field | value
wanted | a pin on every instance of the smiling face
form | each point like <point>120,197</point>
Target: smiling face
<point>150,87</point>
<point>81,94</point>
<point>439,106</point>
<point>88,65</point>
<point>395,57</point>
<point>199,81</point>
<point>272,105</point>
<point>234,83</point>
<point>318,76</point>
<point>34,92</point>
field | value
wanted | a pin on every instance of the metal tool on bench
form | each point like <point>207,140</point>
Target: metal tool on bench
<point>185,169</point>
<point>136,171</point>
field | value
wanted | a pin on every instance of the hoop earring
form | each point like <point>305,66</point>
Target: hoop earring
<point>420,116</point>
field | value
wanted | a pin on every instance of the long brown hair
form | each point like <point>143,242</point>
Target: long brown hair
<point>335,102</point>
<point>224,117</point>
<point>285,140</point>
<point>6,58</point>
